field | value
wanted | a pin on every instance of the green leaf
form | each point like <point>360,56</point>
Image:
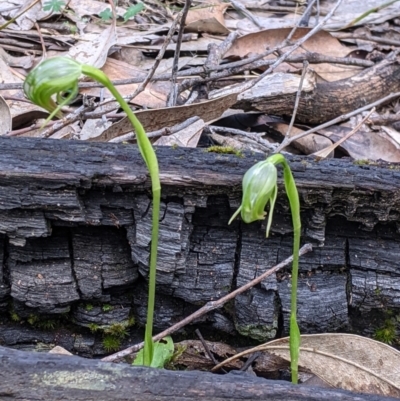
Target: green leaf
<point>106,15</point>
<point>163,352</point>
<point>54,6</point>
<point>133,10</point>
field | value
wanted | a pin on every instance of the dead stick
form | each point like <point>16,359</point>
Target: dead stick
<point>209,306</point>
<point>245,64</point>
<point>174,93</point>
<point>296,103</point>
<point>159,57</point>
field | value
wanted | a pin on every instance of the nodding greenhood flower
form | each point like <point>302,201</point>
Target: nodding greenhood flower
<point>259,188</point>
<point>57,75</point>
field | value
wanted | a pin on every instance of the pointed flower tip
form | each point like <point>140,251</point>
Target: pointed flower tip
<point>57,75</point>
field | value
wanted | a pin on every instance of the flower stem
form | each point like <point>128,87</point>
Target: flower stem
<point>150,158</point>
<point>293,196</point>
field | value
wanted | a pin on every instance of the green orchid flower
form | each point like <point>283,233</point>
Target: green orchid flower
<point>260,188</point>
<point>59,76</point>
<point>54,76</point>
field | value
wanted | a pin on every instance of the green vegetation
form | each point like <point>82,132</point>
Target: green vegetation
<point>260,187</point>
<point>47,324</point>
<point>93,327</point>
<point>111,343</point>
<point>387,333</point>
<point>107,15</point>
<point>59,76</point>
<point>55,6</point>
<point>107,308</point>
<point>88,307</point>
<point>225,150</point>
<point>117,330</point>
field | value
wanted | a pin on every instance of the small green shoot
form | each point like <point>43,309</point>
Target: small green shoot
<point>55,6</point>
<point>163,353</point>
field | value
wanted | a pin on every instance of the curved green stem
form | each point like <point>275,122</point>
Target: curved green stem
<point>293,196</point>
<point>150,159</point>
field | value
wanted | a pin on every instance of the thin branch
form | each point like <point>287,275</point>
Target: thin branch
<point>174,93</point>
<point>229,68</point>
<point>288,52</point>
<point>325,152</point>
<point>297,101</point>
<point>268,147</point>
<point>209,306</point>
<point>159,57</point>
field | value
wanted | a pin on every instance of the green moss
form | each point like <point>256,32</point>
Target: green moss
<point>387,333</point>
<point>362,162</point>
<point>118,330</point>
<point>93,327</point>
<point>258,332</point>
<point>13,315</point>
<point>111,343</point>
<point>131,321</point>
<point>107,308</point>
<point>48,324</point>
<point>32,319</point>
<point>225,150</point>
<point>88,307</point>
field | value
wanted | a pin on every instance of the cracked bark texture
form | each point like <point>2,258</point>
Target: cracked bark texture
<point>75,222</point>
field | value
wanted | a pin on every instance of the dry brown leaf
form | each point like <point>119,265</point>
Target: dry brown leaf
<point>21,111</point>
<point>154,95</point>
<point>23,62</point>
<point>209,18</point>
<point>93,128</point>
<point>27,20</point>
<point>366,145</point>
<point>92,48</point>
<point>273,85</point>
<point>322,42</point>
<point>153,120</point>
<point>309,144</point>
<point>347,361</point>
<point>187,138</point>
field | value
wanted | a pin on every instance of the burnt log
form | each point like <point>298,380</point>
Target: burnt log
<point>41,377</point>
<point>75,222</point>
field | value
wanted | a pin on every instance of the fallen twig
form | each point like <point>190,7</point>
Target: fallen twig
<point>171,101</point>
<point>209,306</point>
<point>296,103</point>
